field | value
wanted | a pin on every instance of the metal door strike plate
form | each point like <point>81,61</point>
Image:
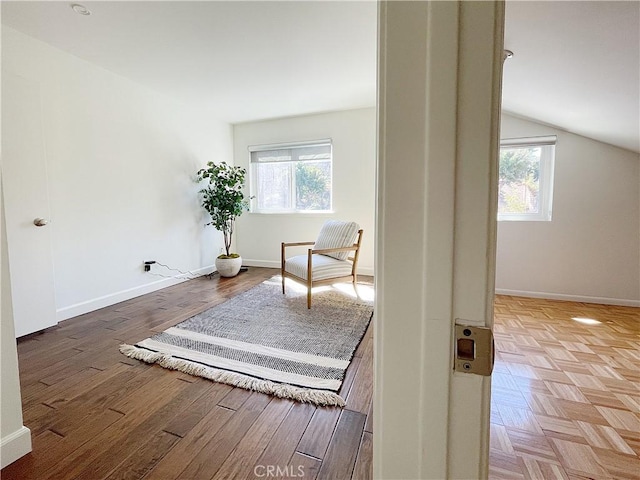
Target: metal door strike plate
<point>474,350</point>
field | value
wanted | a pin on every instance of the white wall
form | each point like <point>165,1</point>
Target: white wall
<point>121,161</point>
<point>354,163</point>
<point>15,438</point>
<point>590,250</point>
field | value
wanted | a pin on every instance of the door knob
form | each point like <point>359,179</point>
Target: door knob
<point>40,222</point>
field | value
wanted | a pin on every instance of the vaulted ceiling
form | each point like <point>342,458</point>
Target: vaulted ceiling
<point>576,64</point>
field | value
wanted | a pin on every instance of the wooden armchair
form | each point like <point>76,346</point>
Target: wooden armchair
<point>320,266</point>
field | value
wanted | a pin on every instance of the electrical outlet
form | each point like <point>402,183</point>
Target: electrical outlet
<point>221,250</point>
<point>147,265</point>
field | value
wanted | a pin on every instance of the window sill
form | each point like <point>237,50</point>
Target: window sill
<point>302,214</point>
<point>523,218</point>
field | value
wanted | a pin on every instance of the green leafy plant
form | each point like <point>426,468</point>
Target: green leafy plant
<point>313,186</point>
<point>223,198</point>
<point>519,180</point>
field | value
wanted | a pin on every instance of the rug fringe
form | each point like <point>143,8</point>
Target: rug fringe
<point>282,390</point>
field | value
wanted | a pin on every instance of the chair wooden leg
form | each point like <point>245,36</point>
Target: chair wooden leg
<point>282,265</point>
<point>309,277</point>
<point>355,285</point>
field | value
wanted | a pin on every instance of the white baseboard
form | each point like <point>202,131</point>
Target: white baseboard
<point>570,298</point>
<point>275,264</point>
<point>81,308</point>
<point>248,262</point>
<point>113,298</point>
<point>14,446</point>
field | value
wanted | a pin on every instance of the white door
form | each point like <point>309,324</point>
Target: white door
<point>26,198</point>
<point>440,67</point>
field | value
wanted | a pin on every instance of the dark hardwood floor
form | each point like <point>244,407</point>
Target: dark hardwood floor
<point>96,414</point>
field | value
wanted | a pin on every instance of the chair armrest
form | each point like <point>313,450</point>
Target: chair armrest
<point>292,244</point>
<point>297,244</point>
<point>333,250</point>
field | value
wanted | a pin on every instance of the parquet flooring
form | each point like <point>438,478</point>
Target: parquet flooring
<point>565,396</point>
<point>96,414</point>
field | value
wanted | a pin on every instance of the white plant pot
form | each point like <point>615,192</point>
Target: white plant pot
<point>228,267</point>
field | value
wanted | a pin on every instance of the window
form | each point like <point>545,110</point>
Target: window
<point>291,178</point>
<point>526,178</point>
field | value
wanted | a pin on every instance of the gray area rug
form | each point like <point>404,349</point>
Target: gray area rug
<point>265,341</point>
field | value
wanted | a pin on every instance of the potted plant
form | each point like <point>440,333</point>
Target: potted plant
<point>224,200</point>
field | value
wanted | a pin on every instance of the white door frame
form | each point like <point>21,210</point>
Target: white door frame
<point>439,84</point>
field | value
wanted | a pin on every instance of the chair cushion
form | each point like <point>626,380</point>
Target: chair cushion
<point>323,267</point>
<point>336,234</point>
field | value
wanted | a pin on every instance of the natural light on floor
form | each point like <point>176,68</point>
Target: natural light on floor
<point>586,321</point>
<point>365,292</point>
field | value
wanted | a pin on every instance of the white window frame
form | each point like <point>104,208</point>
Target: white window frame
<point>545,178</point>
<point>253,176</point>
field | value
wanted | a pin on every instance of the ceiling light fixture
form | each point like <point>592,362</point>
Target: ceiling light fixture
<point>80,9</point>
<point>586,321</point>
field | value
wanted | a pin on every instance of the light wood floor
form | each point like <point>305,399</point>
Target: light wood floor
<point>96,414</point>
<point>566,400</point>
<point>565,396</point>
